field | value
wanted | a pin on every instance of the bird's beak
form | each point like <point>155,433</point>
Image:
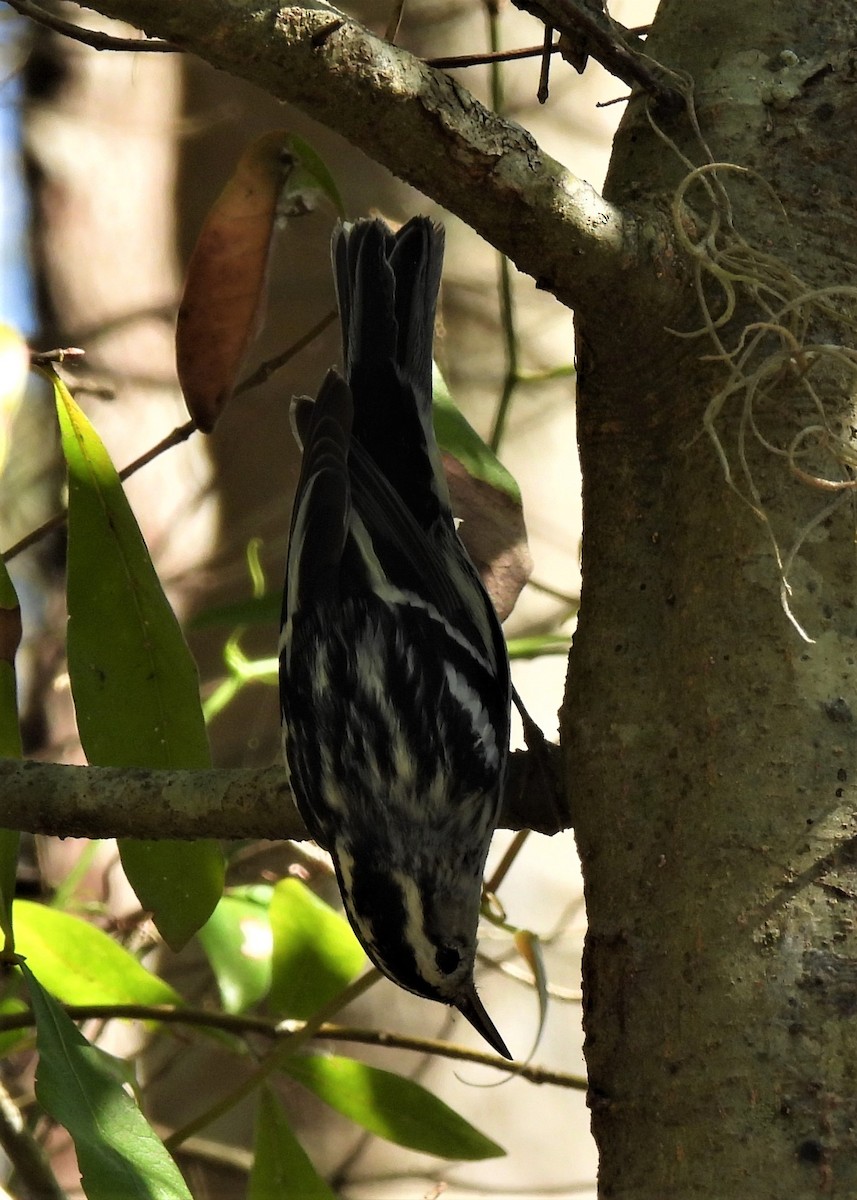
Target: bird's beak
<point>471,1007</point>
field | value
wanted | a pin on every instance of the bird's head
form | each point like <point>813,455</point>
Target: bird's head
<point>419,929</point>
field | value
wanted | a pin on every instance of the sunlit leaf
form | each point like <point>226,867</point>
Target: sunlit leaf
<point>118,1152</point>
<point>281,1168</point>
<point>391,1107</point>
<point>315,951</point>
<point>81,964</point>
<point>134,682</point>
<point>136,691</point>
<point>237,942</point>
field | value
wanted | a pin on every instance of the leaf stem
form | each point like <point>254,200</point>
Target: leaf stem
<point>274,1058</point>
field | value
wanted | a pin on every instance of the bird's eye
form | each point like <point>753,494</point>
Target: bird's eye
<point>448,959</point>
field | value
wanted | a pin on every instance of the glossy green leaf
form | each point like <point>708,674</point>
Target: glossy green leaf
<point>10,742</point>
<point>237,942</point>
<point>391,1107</point>
<point>118,1152</point>
<point>80,964</point>
<point>316,953</point>
<point>457,437</point>
<point>281,1168</point>
<point>134,682</point>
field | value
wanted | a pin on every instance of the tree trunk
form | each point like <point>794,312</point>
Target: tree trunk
<point>709,746</point>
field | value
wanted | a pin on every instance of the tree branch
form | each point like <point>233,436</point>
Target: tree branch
<point>89,37</point>
<point>418,121</point>
<point>105,802</point>
<point>585,31</point>
<point>277,1030</point>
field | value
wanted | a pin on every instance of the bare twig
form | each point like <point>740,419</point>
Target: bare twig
<point>89,37</point>
<point>603,39</point>
<point>47,358</point>
<point>261,375</point>
<point>282,1031</point>
<point>179,435</point>
<point>104,802</point>
<point>264,372</point>
<point>543,93</point>
<point>490,56</point>
<point>35,535</point>
<point>24,1153</point>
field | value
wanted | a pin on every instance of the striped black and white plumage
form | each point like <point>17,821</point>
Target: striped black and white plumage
<point>394,678</point>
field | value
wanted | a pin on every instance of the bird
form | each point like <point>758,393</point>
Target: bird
<point>394,675</point>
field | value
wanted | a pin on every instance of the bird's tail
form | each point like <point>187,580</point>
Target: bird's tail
<point>387,285</point>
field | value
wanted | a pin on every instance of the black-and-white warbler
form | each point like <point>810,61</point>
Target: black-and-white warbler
<point>394,677</point>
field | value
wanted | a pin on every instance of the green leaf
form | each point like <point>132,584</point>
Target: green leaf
<point>10,740</point>
<point>486,502</point>
<point>118,1152</point>
<point>313,169</point>
<point>10,637</point>
<point>316,953</point>
<point>82,965</point>
<point>457,437</point>
<point>179,882</point>
<point>392,1107</point>
<point>281,1168</point>
<point>134,682</point>
<point>237,942</point>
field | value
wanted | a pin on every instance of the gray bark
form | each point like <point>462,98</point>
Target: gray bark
<point>111,802</point>
<point>712,747</point>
